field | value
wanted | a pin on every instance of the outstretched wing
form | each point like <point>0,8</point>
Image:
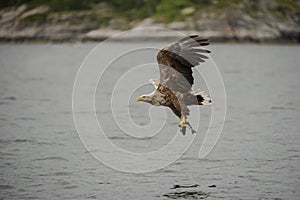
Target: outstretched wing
<point>176,62</point>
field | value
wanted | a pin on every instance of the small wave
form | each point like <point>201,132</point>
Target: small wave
<point>36,185</point>
<point>22,140</point>
<point>212,186</point>
<point>11,98</point>
<point>6,187</point>
<point>51,158</point>
<point>282,108</point>
<point>184,186</point>
<point>117,138</point>
<point>62,173</point>
<point>57,174</point>
<point>5,164</point>
<point>166,171</point>
<point>4,154</point>
<point>25,118</point>
<point>3,119</point>
<point>103,183</point>
<point>46,143</point>
<point>293,150</point>
<point>214,160</point>
<point>187,195</point>
<point>70,187</point>
<point>16,141</point>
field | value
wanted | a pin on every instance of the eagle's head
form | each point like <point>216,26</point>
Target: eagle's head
<point>151,98</point>
<point>145,98</point>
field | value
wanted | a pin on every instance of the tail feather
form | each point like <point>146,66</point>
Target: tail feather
<point>203,98</point>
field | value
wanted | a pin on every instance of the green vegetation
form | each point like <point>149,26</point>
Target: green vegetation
<point>288,4</point>
<point>166,10</point>
<point>36,17</point>
<point>56,5</point>
<point>171,12</point>
<point>130,9</point>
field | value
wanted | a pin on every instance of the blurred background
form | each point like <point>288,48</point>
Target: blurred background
<point>220,20</point>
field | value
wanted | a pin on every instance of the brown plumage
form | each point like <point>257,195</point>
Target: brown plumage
<point>173,89</point>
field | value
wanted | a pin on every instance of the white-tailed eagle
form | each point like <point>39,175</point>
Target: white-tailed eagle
<point>174,87</point>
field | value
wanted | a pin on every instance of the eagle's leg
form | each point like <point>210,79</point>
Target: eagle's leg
<point>184,122</point>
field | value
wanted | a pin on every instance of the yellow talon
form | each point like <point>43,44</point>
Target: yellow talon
<point>182,126</point>
<point>182,122</point>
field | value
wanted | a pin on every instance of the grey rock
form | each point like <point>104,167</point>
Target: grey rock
<point>150,22</point>
<point>12,14</point>
<point>100,34</point>
<point>178,25</point>
<point>229,24</point>
<point>118,24</point>
<point>35,11</point>
<point>187,11</point>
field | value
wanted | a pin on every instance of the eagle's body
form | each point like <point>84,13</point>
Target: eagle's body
<point>174,87</point>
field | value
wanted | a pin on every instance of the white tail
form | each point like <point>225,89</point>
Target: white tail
<point>203,98</point>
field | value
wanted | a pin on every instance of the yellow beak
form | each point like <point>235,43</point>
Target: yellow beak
<point>139,99</point>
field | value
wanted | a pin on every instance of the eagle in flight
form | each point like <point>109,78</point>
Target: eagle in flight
<point>174,86</point>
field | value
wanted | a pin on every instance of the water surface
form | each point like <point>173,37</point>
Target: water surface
<point>257,156</point>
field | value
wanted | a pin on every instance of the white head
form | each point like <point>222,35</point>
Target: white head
<point>146,98</point>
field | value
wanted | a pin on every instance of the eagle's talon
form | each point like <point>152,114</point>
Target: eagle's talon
<point>182,122</point>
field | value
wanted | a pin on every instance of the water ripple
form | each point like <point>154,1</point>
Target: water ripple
<point>56,158</point>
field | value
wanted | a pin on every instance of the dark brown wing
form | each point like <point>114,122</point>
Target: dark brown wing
<point>176,62</point>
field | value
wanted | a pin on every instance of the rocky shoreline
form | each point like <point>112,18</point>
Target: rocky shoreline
<point>21,24</point>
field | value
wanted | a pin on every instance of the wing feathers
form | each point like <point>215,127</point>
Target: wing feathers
<point>181,56</point>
